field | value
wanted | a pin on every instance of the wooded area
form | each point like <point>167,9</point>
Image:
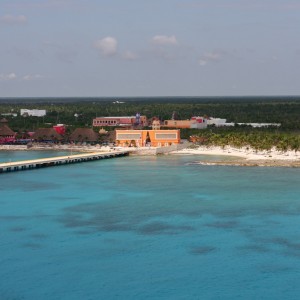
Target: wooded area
<point>80,112</point>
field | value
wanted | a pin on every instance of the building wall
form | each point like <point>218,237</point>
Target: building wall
<point>158,138</point>
<point>177,123</point>
<point>194,122</point>
<point>118,121</point>
<point>198,122</point>
<point>33,112</point>
<point>216,121</point>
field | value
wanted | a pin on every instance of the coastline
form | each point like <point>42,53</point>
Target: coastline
<point>245,156</point>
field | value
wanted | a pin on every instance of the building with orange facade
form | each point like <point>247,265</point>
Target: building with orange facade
<point>142,138</point>
<point>194,122</point>
<point>126,121</point>
<point>177,123</point>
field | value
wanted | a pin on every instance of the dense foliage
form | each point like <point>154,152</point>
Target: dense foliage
<point>256,138</point>
<point>80,112</point>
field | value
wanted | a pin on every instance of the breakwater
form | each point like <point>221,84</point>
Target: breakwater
<point>57,161</point>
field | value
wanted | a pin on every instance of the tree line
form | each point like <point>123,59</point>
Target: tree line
<point>78,113</point>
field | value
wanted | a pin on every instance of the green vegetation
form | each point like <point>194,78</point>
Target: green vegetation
<point>256,138</point>
<point>80,112</point>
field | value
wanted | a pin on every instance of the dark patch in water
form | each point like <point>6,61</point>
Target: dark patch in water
<point>124,216</point>
<point>162,228</point>
<point>202,250</point>
<point>61,198</point>
<point>274,269</point>
<point>85,232</point>
<point>32,246</point>
<point>224,225</point>
<point>18,229</point>
<point>39,236</point>
<point>39,186</point>
<point>286,243</point>
<point>11,218</point>
<point>254,248</point>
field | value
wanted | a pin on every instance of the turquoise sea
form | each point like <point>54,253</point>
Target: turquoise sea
<point>159,227</point>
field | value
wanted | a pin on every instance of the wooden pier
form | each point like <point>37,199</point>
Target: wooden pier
<point>59,160</point>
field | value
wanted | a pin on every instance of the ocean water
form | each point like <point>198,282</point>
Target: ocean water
<point>9,156</point>
<point>160,227</point>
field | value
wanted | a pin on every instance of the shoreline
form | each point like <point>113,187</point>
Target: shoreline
<point>245,156</point>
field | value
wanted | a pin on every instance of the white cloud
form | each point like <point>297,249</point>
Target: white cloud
<point>128,55</point>
<point>13,20</point>
<point>7,77</point>
<point>164,40</point>
<point>202,62</point>
<point>29,77</point>
<point>212,56</point>
<point>209,57</point>
<point>107,46</point>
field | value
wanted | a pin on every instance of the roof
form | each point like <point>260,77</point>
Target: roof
<point>46,134</point>
<point>5,130</point>
<point>116,117</point>
<point>84,135</point>
<point>3,120</point>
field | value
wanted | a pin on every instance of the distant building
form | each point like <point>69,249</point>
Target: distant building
<point>198,122</point>
<point>141,138</point>
<point>60,129</point>
<point>216,122</point>
<point>155,124</point>
<point>194,122</point>
<point>33,112</point>
<point>10,114</point>
<point>254,125</point>
<point>120,121</point>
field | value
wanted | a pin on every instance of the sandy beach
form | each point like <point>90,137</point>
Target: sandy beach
<point>245,156</point>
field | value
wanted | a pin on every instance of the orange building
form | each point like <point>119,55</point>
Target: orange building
<point>177,123</point>
<point>141,138</point>
<point>194,122</point>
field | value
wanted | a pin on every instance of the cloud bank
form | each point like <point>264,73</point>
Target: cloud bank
<point>7,77</point>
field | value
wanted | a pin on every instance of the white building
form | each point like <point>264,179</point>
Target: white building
<point>217,122</point>
<point>33,112</point>
<point>198,122</point>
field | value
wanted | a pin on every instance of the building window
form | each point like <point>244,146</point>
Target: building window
<point>128,136</point>
<point>166,136</point>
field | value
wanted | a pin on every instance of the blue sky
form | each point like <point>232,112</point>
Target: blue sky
<point>149,48</point>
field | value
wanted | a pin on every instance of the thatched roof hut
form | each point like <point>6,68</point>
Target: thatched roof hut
<point>84,135</point>
<point>5,131</point>
<point>46,134</point>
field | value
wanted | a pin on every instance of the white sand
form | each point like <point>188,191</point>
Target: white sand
<point>247,153</point>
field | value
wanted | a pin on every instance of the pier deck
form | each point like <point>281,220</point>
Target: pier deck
<point>58,160</point>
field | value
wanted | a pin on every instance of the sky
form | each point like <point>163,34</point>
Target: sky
<point>136,48</point>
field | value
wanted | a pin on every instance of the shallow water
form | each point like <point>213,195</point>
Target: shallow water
<point>150,228</point>
<point>8,156</point>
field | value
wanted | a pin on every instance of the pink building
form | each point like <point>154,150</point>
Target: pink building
<point>120,121</point>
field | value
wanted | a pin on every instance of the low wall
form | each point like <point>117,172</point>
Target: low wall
<point>160,150</point>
